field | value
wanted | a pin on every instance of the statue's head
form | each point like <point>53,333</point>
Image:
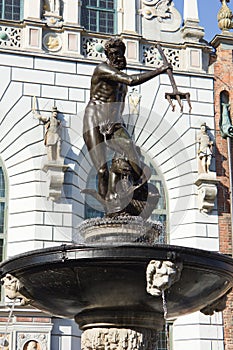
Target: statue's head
<point>54,111</point>
<point>115,51</point>
<point>203,127</point>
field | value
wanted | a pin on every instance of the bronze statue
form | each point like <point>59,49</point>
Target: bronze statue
<point>104,127</point>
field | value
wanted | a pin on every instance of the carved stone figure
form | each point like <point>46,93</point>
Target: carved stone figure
<point>12,286</point>
<point>160,275</point>
<point>52,6</point>
<point>204,150</point>
<point>52,139</point>
<point>32,345</point>
<point>156,8</point>
<point>103,125</point>
<point>134,101</point>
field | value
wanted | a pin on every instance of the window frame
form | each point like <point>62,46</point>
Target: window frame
<point>3,11</point>
<point>98,11</point>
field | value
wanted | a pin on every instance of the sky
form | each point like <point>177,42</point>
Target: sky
<point>208,10</point>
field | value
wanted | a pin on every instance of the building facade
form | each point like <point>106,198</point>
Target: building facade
<point>48,52</point>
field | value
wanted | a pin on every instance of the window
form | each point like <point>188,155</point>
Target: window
<point>2,214</point>
<point>11,9</point>
<point>99,16</point>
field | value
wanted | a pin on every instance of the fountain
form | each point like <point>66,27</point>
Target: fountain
<point>119,284</point>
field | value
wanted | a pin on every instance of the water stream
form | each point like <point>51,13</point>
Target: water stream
<point>4,342</point>
<point>165,318</point>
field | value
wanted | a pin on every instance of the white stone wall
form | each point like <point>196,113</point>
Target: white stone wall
<point>169,139</point>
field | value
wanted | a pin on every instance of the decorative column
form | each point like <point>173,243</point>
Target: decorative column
<point>33,30</point>
<point>72,26</point>
<point>192,30</point>
<point>192,34</point>
<point>131,37</point>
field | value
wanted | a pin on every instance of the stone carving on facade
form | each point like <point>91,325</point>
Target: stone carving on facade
<point>32,345</point>
<point>10,37</point>
<point>161,275</point>
<point>158,17</point>
<point>134,101</point>
<point>118,339</point>
<point>205,146</point>
<point>55,167</point>
<point>32,341</point>
<point>4,341</point>
<point>156,8</point>
<point>52,10</point>
<point>152,58</point>
<point>52,138</point>
<point>52,42</point>
<point>93,47</point>
<point>12,287</point>
<point>206,181</point>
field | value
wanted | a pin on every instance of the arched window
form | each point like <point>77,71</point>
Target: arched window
<point>3,207</point>
<point>99,16</point>
<point>11,9</point>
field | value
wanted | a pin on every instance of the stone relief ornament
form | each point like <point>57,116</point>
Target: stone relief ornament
<point>52,9</point>
<point>52,42</point>
<point>161,275</point>
<point>156,8</point>
<point>134,101</point>
<point>32,341</point>
<point>12,286</point>
<point>118,339</point>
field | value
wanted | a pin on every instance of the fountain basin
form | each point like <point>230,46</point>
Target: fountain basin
<point>106,285</point>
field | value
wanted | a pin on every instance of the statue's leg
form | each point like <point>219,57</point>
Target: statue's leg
<point>97,150</point>
<point>50,153</point>
<point>58,149</point>
<point>208,162</point>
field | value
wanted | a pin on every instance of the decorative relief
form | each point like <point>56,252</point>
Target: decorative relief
<point>10,37</point>
<point>161,275</point>
<point>52,42</point>
<point>32,341</point>
<point>156,8</point>
<point>118,339</point>
<point>151,56</point>
<point>134,101</point>
<point>93,47</point>
<point>12,287</point>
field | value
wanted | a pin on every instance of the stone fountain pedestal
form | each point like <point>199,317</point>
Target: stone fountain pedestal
<point>111,289</point>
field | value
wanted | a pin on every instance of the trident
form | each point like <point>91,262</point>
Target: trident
<point>176,94</point>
